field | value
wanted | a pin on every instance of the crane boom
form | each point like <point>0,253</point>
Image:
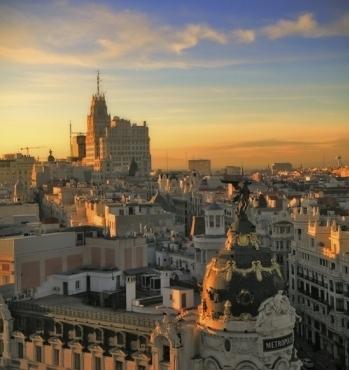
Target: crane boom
<point>27,148</point>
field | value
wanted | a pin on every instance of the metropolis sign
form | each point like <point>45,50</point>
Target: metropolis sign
<point>275,344</point>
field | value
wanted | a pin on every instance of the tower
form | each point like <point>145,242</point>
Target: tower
<point>97,122</point>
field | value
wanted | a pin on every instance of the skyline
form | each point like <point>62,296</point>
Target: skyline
<point>236,85</point>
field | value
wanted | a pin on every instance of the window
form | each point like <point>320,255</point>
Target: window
<point>58,328</point>
<point>55,356</point>
<point>98,363</point>
<point>339,287</point>
<point>119,365</point>
<point>141,367</point>
<point>339,304</point>
<point>184,300</point>
<point>38,357</point>
<point>166,353</point>
<point>331,285</point>
<point>20,350</point>
<point>77,284</point>
<point>78,332</point>
<point>76,361</point>
<point>211,220</point>
<point>218,221</point>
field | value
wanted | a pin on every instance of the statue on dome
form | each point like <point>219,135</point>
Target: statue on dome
<point>242,196</point>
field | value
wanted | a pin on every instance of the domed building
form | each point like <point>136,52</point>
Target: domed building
<point>244,321</point>
<point>51,158</point>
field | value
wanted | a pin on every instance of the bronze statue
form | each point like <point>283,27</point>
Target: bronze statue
<point>241,197</point>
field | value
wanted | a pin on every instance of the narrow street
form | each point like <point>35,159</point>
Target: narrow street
<point>321,359</point>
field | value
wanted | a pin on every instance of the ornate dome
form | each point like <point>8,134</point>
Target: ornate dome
<point>243,275</point>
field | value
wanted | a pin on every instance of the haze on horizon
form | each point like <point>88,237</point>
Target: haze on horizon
<point>237,83</point>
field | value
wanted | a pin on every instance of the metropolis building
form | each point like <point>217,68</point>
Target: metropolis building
<point>112,145</point>
<point>244,321</point>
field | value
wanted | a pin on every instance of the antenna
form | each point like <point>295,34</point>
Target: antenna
<point>98,80</point>
<point>339,161</point>
<point>70,142</point>
<point>167,161</point>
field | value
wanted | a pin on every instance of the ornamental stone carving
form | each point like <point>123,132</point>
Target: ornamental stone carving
<point>275,313</point>
<point>168,328</point>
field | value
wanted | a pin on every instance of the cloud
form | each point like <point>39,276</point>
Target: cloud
<point>93,35</point>
<point>244,36</point>
<point>34,56</point>
<point>307,26</point>
<point>193,34</point>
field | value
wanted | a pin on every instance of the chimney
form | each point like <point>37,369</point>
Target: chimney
<point>165,280</point>
<point>130,291</point>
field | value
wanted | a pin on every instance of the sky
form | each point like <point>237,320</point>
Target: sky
<point>240,82</point>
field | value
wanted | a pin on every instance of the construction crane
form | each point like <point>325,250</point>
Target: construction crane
<point>339,161</point>
<point>27,148</point>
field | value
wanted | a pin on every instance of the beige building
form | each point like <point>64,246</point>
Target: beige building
<point>16,167</point>
<point>78,146</point>
<point>27,261</point>
<point>123,218</point>
<point>203,166</point>
<point>319,280</point>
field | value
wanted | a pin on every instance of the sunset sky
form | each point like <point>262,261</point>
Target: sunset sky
<point>240,82</point>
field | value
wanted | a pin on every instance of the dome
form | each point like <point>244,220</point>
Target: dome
<point>50,158</point>
<point>242,276</point>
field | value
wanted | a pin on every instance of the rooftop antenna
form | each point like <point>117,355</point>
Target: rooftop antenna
<point>70,142</point>
<point>167,161</point>
<point>98,80</point>
<point>242,170</point>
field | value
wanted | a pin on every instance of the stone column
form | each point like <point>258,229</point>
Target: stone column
<point>176,355</point>
<point>6,335</point>
<point>155,358</point>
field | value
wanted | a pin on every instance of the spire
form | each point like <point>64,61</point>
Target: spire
<point>98,82</point>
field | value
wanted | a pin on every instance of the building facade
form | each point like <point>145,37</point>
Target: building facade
<point>244,320</point>
<point>112,145</point>
<point>319,281</point>
<point>78,146</point>
<point>16,167</point>
<point>202,166</point>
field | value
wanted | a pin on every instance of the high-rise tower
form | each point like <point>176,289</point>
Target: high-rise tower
<point>113,145</point>
<point>97,122</point>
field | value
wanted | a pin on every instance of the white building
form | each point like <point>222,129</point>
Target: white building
<point>209,244</point>
<point>319,280</point>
